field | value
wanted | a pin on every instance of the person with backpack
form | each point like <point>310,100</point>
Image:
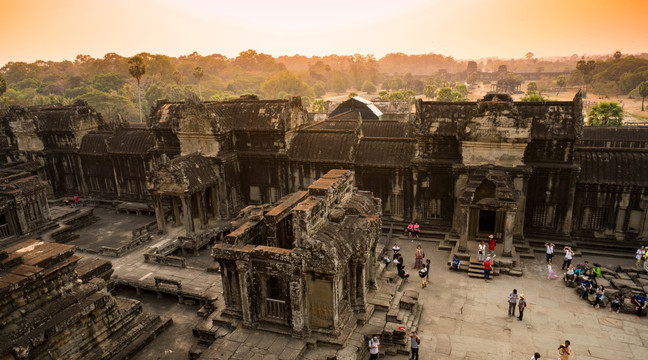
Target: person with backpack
<point>521,306</point>
<point>415,340</point>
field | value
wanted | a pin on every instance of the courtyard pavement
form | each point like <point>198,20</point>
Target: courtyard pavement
<point>466,318</point>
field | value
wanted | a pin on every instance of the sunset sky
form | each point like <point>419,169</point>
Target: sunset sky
<point>467,29</point>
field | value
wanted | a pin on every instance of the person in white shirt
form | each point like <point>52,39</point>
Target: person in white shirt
<point>641,252</point>
<point>550,250</point>
<point>536,356</point>
<point>481,250</point>
<point>569,254</point>
<point>374,348</point>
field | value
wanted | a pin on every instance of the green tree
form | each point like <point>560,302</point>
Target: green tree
<point>617,55</point>
<point>605,114</point>
<point>368,87</point>
<point>462,89</point>
<point>445,94</point>
<point>177,77</point>
<point>642,89</point>
<point>339,84</point>
<point>318,106</point>
<point>532,87</point>
<point>430,91</point>
<point>288,83</point>
<point>3,86</point>
<point>110,105</point>
<point>137,69</point>
<point>153,93</point>
<point>533,96</point>
<point>198,74</point>
<point>472,78</point>
<point>586,69</point>
<point>108,81</point>
<point>561,81</point>
<point>319,89</point>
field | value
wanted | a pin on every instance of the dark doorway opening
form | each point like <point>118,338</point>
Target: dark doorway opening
<point>487,221</point>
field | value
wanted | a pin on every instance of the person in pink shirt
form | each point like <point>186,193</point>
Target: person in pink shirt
<point>417,229</point>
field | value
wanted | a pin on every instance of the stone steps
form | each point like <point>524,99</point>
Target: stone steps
<point>476,269</point>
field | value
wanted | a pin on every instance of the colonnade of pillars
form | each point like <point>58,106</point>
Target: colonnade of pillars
<point>202,204</point>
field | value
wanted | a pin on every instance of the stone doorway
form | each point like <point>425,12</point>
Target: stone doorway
<point>486,222</point>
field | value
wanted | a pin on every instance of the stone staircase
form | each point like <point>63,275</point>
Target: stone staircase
<point>476,269</point>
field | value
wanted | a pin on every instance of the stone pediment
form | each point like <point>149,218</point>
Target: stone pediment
<point>489,187</point>
<point>496,119</point>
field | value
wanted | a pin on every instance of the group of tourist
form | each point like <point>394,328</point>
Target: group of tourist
<point>413,229</point>
<point>481,253</point>
<point>419,255</point>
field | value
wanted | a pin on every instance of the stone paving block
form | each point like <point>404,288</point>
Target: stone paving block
<point>278,345</point>
<point>289,354</point>
<point>243,352</point>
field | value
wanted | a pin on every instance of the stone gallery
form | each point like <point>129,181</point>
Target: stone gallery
<point>292,207</point>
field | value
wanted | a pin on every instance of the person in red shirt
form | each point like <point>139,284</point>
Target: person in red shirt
<point>491,245</point>
<point>488,267</point>
<point>76,200</point>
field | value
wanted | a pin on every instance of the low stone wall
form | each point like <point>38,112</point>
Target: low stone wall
<point>141,235</point>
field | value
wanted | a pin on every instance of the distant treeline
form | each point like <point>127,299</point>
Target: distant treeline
<point>107,84</point>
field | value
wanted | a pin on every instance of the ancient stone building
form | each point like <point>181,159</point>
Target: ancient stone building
<point>23,203</point>
<point>305,263</point>
<point>467,169</point>
<point>55,306</point>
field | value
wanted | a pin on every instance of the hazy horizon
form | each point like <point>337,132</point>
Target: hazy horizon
<point>464,29</point>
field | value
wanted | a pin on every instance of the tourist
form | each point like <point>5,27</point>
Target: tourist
<point>418,255</point>
<point>403,274</point>
<point>455,263</point>
<point>374,348</point>
<point>550,273</point>
<point>569,276</point>
<point>596,271</point>
<point>512,301</point>
<point>564,350</point>
<point>598,297</point>
<point>417,230</point>
<point>427,273</point>
<point>616,303</point>
<point>641,252</point>
<point>386,260</point>
<point>481,250</point>
<point>585,286</point>
<point>640,302</point>
<point>491,246</point>
<point>488,267</point>
<point>76,200</point>
<point>423,275</point>
<point>66,202</point>
<point>410,229</point>
<point>550,250</point>
<point>415,340</point>
<point>521,307</point>
<point>569,255</point>
<point>536,356</point>
<point>396,250</point>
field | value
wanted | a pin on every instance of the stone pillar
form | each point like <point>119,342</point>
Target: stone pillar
<point>241,268</point>
<point>297,306</point>
<point>176,212</point>
<point>416,204</point>
<point>159,213</point>
<point>227,295</point>
<point>20,212</point>
<point>460,184</point>
<point>353,281</point>
<point>521,183</point>
<point>45,210</point>
<point>214,199</point>
<point>464,222</point>
<point>200,201</point>
<point>569,211</point>
<point>188,217</point>
<point>508,232</point>
<point>361,290</point>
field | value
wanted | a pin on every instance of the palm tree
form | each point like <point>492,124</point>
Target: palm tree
<point>198,73</point>
<point>137,69</point>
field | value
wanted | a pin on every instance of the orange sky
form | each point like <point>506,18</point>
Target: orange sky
<point>55,30</point>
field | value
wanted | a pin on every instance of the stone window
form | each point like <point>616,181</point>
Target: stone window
<point>397,203</point>
<point>431,208</point>
<point>255,194</point>
<point>634,221</point>
<point>594,218</point>
<point>543,215</point>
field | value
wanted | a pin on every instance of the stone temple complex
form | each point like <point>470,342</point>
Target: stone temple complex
<point>285,214</point>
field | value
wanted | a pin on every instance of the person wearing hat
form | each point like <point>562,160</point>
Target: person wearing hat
<point>521,306</point>
<point>488,267</point>
<point>374,348</point>
<point>491,245</point>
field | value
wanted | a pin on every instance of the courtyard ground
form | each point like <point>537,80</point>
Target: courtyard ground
<point>466,318</point>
